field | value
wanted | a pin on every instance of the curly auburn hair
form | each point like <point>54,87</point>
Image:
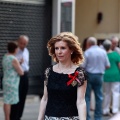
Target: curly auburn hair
<point>73,44</point>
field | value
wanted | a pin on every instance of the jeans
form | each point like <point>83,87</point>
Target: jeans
<point>94,83</point>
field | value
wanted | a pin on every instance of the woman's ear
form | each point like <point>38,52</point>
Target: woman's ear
<point>71,52</point>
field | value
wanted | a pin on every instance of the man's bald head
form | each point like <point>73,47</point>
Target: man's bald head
<point>114,41</point>
<point>23,41</point>
<point>91,41</point>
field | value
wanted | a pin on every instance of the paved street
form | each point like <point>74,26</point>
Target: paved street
<point>31,109</point>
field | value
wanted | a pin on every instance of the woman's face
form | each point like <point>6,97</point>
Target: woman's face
<point>62,51</point>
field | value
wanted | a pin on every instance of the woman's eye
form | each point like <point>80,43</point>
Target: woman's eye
<point>63,48</point>
<point>56,48</point>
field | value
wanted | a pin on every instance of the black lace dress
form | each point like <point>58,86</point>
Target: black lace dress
<point>62,98</point>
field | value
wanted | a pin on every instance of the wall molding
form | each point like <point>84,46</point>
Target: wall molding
<point>106,35</point>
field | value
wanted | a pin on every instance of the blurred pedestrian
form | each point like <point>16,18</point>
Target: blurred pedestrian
<point>111,80</point>
<point>84,44</point>
<point>11,79</point>
<point>65,85</point>
<point>84,48</point>
<point>96,61</point>
<point>115,42</point>
<point>23,57</point>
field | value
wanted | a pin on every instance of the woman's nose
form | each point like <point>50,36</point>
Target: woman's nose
<point>59,51</point>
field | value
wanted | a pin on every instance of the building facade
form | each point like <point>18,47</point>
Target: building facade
<point>32,18</point>
<point>89,12</point>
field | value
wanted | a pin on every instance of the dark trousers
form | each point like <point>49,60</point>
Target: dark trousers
<point>17,109</point>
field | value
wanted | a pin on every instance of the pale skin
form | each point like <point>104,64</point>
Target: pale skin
<point>22,43</point>
<point>16,65</point>
<point>114,43</point>
<point>65,66</point>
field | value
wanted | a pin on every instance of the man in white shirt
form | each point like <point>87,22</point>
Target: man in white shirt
<point>23,57</point>
<point>96,61</point>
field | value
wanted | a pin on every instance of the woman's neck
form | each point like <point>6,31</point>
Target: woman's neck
<point>65,65</point>
<point>66,68</point>
<point>109,51</point>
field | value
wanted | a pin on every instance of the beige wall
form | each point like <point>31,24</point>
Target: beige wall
<point>86,14</point>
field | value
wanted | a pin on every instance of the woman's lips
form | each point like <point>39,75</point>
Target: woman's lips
<point>60,56</point>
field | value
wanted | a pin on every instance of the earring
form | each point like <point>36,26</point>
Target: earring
<point>71,53</point>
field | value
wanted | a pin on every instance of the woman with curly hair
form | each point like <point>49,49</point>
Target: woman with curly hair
<point>65,85</point>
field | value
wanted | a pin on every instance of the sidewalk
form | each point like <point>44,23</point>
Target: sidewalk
<point>32,109</point>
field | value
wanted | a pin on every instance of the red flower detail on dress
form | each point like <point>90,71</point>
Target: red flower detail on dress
<point>73,79</point>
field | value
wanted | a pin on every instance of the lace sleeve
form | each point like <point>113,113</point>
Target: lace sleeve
<point>78,78</point>
<point>47,73</point>
<point>82,76</point>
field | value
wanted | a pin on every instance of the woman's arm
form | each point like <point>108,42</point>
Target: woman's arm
<point>81,104</point>
<point>43,104</point>
<point>17,67</point>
